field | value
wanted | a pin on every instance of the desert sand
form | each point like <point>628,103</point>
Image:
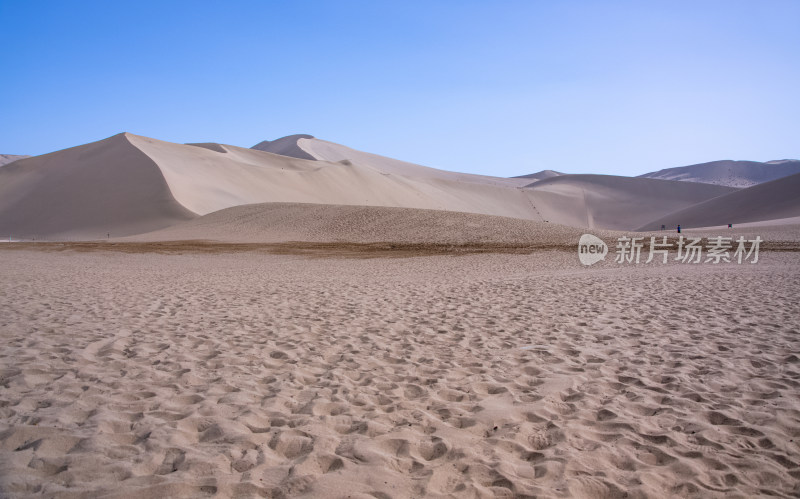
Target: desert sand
<point>10,158</point>
<point>301,319</point>
<point>243,374</point>
<point>613,202</point>
<point>777,199</point>
<point>308,222</point>
<point>129,184</point>
<point>93,189</point>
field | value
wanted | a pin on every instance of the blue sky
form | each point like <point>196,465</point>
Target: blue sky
<point>501,88</point>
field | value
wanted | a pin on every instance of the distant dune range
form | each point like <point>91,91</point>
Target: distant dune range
<point>128,184</point>
<point>730,173</point>
<point>611,202</point>
<point>777,199</point>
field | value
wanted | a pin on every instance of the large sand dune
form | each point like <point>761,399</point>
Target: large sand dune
<point>282,222</point>
<point>104,187</point>
<point>612,202</point>
<point>771,200</point>
<point>209,177</point>
<point>730,173</point>
<point>130,184</point>
<point>10,158</point>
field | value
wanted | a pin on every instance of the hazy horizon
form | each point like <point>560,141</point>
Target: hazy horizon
<point>507,89</point>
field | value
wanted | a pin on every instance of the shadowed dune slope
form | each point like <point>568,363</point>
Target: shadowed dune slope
<point>10,158</point>
<point>282,222</point>
<point>730,173</point>
<point>611,202</point>
<point>86,192</point>
<point>540,175</point>
<point>768,201</point>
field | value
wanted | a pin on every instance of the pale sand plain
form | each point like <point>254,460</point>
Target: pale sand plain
<point>248,374</point>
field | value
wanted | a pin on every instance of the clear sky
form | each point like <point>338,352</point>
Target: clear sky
<point>502,88</point>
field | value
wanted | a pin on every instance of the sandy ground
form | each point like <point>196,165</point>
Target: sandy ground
<point>493,375</point>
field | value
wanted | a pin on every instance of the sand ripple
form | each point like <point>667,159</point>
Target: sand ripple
<point>477,376</point>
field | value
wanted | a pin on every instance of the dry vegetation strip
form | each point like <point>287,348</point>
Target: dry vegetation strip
<point>327,249</point>
<point>330,249</point>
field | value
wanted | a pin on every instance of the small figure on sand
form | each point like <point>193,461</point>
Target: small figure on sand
<point>679,229</point>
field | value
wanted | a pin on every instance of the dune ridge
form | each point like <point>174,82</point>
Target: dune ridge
<point>91,190</point>
<point>541,175</point>
<point>286,146</point>
<point>131,184</point>
<point>10,158</point>
<point>329,151</point>
<point>613,202</point>
<point>767,201</point>
<point>204,180</point>
<point>729,172</point>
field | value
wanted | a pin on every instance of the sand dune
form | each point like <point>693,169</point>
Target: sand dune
<point>86,191</point>
<point>330,151</point>
<point>286,146</point>
<point>768,201</point>
<point>10,158</point>
<point>202,178</point>
<point>540,175</point>
<point>131,184</point>
<point>281,222</point>
<point>206,179</point>
<point>247,373</point>
<point>611,202</point>
<point>730,173</point>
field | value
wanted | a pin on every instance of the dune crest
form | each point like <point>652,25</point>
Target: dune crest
<point>130,184</point>
<point>10,158</point>
<point>768,201</point>
<point>541,175</point>
<point>87,191</point>
<point>729,172</point>
<point>286,146</point>
<point>612,202</point>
